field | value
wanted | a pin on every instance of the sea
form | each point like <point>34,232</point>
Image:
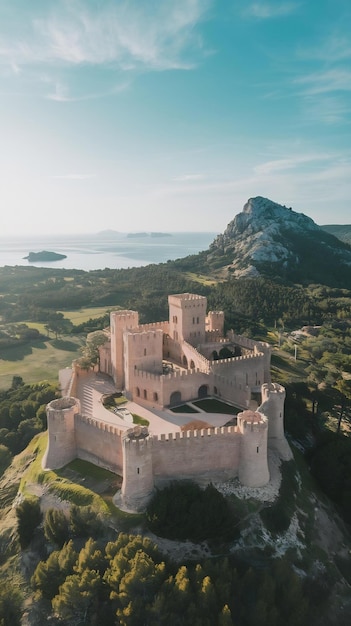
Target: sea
<point>105,250</point>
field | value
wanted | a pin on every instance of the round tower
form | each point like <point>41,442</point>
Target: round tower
<point>61,448</point>
<point>138,478</point>
<point>253,466</point>
<point>273,398</point>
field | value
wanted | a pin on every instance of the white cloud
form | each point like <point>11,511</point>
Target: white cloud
<point>280,165</point>
<point>336,47</point>
<point>326,81</point>
<point>267,10</point>
<point>126,35</point>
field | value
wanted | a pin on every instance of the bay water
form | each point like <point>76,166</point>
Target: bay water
<point>104,250</point>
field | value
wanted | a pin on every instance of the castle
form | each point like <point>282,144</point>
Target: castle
<point>159,366</point>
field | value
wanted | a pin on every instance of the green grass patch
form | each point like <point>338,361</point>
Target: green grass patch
<point>201,278</point>
<point>79,316</point>
<point>38,361</point>
<point>140,420</point>
<point>212,405</point>
<point>184,408</point>
<point>114,400</point>
<point>69,489</point>
<point>84,468</point>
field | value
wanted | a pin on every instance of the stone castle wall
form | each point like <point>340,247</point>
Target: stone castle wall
<point>99,444</point>
<point>213,452</point>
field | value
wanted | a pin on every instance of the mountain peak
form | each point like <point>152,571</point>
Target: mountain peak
<point>270,239</point>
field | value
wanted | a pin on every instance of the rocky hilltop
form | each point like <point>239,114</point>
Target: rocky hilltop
<point>268,239</point>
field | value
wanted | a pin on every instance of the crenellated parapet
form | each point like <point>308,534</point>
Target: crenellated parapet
<point>164,326</point>
<point>215,431</point>
<point>191,353</point>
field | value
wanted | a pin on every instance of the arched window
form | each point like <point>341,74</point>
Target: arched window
<point>137,392</point>
<point>144,351</point>
<point>203,391</point>
<point>176,398</point>
<point>145,394</point>
<point>155,396</point>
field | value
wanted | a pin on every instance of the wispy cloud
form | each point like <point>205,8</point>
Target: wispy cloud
<point>336,47</point>
<point>61,93</point>
<point>268,10</point>
<point>280,165</point>
<point>128,35</point>
<point>336,79</point>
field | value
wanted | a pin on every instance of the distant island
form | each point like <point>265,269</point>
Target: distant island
<point>44,255</point>
<point>135,235</point>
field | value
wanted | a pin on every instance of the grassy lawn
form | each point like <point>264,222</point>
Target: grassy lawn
<point>39,360</point>
<point>184,408</point>
<point>200,278</point>
<point>83,315</point>
<point>212,405</point>
<point>79,482</point>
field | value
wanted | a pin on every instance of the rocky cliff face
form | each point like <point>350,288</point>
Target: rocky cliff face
<point>267,238</point>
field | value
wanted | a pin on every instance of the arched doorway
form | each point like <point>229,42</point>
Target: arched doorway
<point>192,365</point>
<point>176,398</point>
<point>185,361</point>
<point>203,391</point>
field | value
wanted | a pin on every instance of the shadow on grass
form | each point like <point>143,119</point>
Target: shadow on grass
<point>64,344</point>
<point>16,353</point>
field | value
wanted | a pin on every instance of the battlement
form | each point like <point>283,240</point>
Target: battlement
<point>140,333</point>
<point>272,388</point>
<point>99,425</point>
<point>246,342</point>
<point>188,348</point>
<point>164,326</point>
<point>237,359</point>
<point>213,431</point>
<point>186,297</point>
<point>212,336</point>
<point>252,420</point>
<point>124,313</point>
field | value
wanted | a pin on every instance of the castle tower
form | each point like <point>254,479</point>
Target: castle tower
<point>119,322</point>
<point>187,317</point>
<point>273,398</point>
<point>215,321</point>
<point>61,448</point>
<point>138,479</point>
<point>253,466</point>
<point>142,350</point>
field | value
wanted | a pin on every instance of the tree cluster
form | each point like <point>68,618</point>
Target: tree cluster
<point>183,511</point>
<point>22,415</point>
<point>129,582</point>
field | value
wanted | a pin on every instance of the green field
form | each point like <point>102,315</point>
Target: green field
<point>78,316</point>
<point>40,360</point>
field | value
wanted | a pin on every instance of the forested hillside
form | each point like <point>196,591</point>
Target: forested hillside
<point>79,568</point>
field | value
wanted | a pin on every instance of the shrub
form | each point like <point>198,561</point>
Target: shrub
<point>29,516</point>
<point>185,511</point>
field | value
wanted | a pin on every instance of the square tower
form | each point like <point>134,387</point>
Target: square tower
<point>120,321</point>
<point>187,317</point>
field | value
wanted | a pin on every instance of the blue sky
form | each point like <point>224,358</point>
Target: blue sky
<point>150,115</point>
